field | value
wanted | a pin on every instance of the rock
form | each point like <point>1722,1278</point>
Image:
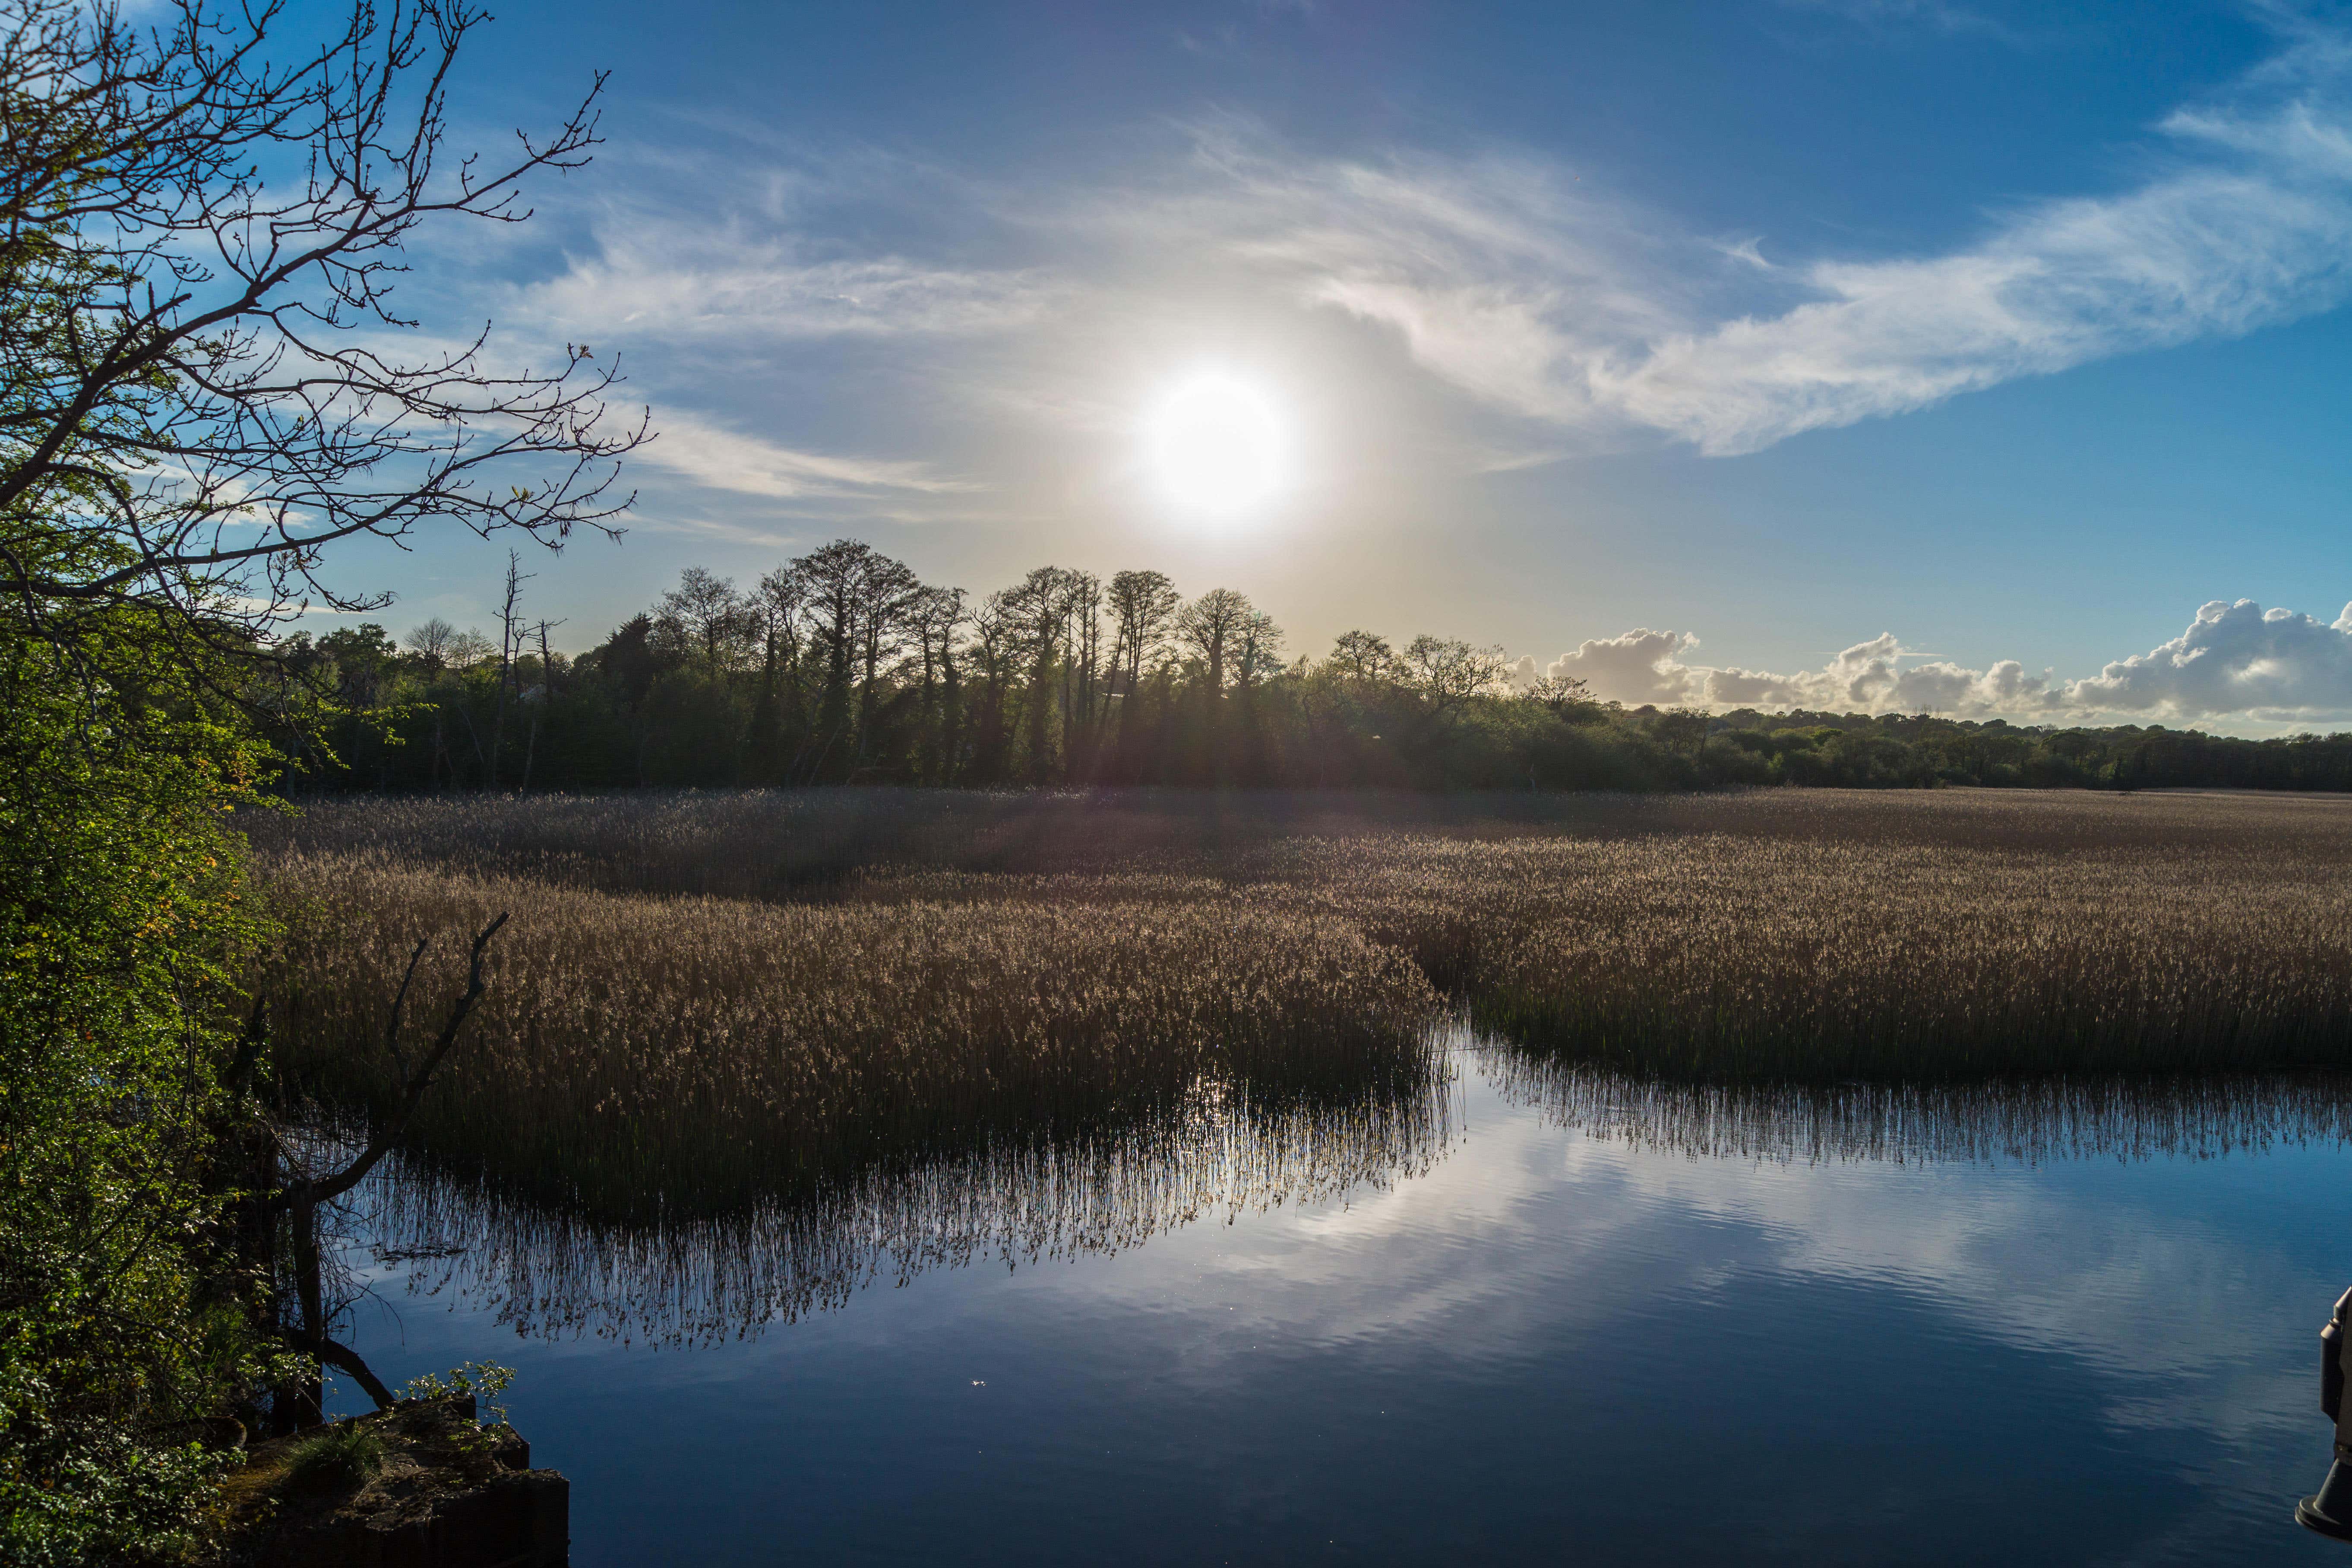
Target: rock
<point>443,1493</point>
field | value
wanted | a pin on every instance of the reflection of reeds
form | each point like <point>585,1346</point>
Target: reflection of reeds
<point>641,1053</point>
<point>1215,1153</point>
<point>2031,1119</point>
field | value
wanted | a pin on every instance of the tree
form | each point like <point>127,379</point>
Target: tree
<point>711,618</point>
<point>1448,672</point>
<point>1364,658</point>
<point>1258,649</point>
<point>995,646</point>
<point>1211,626</point>
<point>858,600</point>
<point>1041,608</point>
<point>201,398</point>
<point>937,617</point>
<point>1143,607</point>
<point>774,611</point>
<point>467,649</point>
<point>431,643</point>
<point>1565,697</point>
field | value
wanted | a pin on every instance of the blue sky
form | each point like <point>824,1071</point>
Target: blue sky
<point>1864,353</point>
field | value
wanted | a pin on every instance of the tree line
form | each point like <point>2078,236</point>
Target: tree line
<point>842,667</point>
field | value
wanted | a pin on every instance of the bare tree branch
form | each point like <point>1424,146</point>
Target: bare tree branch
<point>309,1192</point>
<point>201,233</point>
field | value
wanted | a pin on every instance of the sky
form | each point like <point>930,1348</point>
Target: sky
<point>1979,358</point>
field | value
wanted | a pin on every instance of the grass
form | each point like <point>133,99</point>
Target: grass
<point>345,1454</point>
<point>640,1051</point>
<point>710,999</point>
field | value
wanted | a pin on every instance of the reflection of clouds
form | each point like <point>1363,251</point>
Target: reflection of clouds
<point>1532,1239</point>
<point>1552,1316</point>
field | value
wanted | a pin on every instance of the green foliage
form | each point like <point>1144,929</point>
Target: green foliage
<point>482,1379</point>
<point>124,927</point>
<point>344,1454</point>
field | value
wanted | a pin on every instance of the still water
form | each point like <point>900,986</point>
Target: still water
<point>1525,1316</point>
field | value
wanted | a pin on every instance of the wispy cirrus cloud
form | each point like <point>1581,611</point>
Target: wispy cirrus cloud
<point>642,281</point>
<point>720,459</point>
<point>1572,309</point>
<point>1583,317</point>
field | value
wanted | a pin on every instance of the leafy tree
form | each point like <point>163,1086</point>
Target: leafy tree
<point>197,223</point>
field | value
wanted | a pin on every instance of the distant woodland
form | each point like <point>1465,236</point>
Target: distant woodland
<point>843,667</point>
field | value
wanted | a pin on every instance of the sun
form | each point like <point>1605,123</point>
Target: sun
<point>1216,444</point>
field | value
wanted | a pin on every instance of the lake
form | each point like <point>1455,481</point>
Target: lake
<point>1531,1316</point>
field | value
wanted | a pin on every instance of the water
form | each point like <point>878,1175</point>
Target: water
<point>1529,1318</point>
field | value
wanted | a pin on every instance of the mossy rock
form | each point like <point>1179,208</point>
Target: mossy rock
<point>421,1485</point>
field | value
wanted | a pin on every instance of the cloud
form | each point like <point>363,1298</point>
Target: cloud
<point>1641,667</point>
<point>1535,293</point>
<point>643,282</point>
<point>2207,252</point>
<point>2234,660</point>
<point>722,460</point>
<point>1501,275</point>
<point>1586,317</point>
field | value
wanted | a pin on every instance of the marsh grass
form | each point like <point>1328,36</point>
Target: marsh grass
<point>640,1054</point>
<point>704,1001</point>
<point>1742,958</point>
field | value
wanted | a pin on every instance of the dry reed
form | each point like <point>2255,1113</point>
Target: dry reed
<point>863,976</point>
<point>639,1053</point>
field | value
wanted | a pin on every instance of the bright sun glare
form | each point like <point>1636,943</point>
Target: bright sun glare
<point>1216,443</point>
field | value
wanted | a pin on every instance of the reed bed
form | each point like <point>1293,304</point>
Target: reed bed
<point>642,1054</point>
<point>1747,958</point>
<point>705,1000</point>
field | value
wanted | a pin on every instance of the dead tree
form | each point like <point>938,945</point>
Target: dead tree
<point>298,1195</point>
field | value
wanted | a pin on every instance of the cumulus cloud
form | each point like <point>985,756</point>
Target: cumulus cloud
<point>1640,666</point>
<point>2234,660</point>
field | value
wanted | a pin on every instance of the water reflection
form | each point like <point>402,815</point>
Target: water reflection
<point>1224,1151</point>
<point>2030,1121</point>
<point>1884,1326</point>
<point>548,1270</point>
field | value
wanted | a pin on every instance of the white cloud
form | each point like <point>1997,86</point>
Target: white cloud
<point>1640,666</point>
<point>2209,252</point>
<point>644,283</point>
<point>1580,314</point>
<point>723,459</point>
<point>2234,660</point>
<point>1534,293</point>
